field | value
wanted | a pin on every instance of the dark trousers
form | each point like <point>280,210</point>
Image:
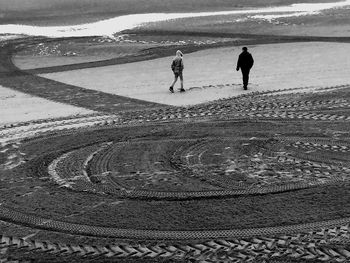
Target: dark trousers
<point>245,74</point>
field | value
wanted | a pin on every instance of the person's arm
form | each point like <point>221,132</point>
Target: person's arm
<point>173,65</point>
<point>252,61</point>
<point>182,64</point>
<point>238,63</point>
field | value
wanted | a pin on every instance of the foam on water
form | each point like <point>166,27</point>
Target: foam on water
<point>114,25</point>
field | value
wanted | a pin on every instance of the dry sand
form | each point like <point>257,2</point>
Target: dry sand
<point>277,66</point>
<point>19,107</point>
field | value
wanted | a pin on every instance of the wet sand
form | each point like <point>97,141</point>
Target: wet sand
<point>112,26</point>
<point>66,12</point>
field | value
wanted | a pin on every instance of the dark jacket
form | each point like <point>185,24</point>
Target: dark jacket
<point>177,65</point>
<point>245,61</point>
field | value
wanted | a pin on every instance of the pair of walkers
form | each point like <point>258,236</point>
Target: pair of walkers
<point>245,63</point>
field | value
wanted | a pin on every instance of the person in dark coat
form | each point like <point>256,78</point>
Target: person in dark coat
<point>245,63</point>
<point>177,67</point>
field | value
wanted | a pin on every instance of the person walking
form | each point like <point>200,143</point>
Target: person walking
<point>177,67</point>
<point>245,63</point>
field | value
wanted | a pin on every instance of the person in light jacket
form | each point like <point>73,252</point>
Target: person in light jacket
<point>245,63</point>
<point>177,67</point>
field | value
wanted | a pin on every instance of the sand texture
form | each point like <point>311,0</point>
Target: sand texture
<point>277,66</point>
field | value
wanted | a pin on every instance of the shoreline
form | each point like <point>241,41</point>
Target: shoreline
<point>112,26</point>
<point>44,16</point>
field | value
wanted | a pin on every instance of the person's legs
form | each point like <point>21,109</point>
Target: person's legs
<point>245,74</point>
<point>172,85</point>
<point>182,81</point>
<point>175,79</point>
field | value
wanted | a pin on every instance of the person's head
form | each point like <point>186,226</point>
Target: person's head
<point>244,49</point>
<point>179,53</point>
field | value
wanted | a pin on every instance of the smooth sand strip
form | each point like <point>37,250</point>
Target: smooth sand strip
<point>19,107</point>
<point>277,66</point>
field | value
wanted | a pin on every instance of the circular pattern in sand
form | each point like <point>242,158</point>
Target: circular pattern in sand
<point>182,168</point>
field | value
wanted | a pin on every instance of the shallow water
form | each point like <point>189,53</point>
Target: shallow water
<point>114,25</point>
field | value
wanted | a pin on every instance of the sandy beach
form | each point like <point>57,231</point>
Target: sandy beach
<point>100,163</point>
<point>20,107</point>
<point>277,66</point>
<point>66,12</point>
